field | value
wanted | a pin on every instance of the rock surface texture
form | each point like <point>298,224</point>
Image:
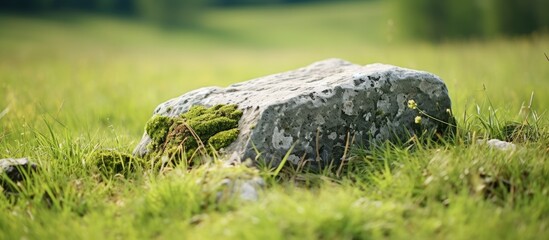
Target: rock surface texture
<point>314,111</point>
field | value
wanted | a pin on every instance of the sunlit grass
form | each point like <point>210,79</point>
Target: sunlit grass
<point>71,88</point>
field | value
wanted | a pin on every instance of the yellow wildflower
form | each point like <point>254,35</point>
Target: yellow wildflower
<point>417,120</point>
<point>412,104</point>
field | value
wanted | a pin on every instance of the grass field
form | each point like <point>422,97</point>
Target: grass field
<point>73,84</point>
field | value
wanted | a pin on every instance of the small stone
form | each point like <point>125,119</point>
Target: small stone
<point>498,144</point>
<point>15,170</point>
<point>244,189</point>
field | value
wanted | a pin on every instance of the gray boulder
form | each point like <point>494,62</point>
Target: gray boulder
<point>314,111</point>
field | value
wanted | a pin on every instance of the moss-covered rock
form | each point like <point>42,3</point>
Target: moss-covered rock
<point>112,162</point>
<point>310,111</point>
<point>200,128</point>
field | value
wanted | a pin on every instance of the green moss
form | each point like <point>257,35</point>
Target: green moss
<point>223,139</point>
<point>379,112</point>
<point>111,162</point>
<point>157,128</point>
<point>194,112</point>
<point>211,127</point>
<point>216,126</point>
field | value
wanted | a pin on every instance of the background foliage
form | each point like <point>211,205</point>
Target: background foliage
<point>457,19</point>
<point>433,20</point>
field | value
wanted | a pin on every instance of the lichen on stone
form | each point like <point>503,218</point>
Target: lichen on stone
<point>200,128</point>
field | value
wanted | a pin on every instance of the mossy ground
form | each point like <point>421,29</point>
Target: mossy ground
<point>111,162</point>
<point>199,129</point>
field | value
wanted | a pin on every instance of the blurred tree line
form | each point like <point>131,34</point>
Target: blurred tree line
<point>434,20</point>
<point>438,20</point>
<point>166,12</point>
